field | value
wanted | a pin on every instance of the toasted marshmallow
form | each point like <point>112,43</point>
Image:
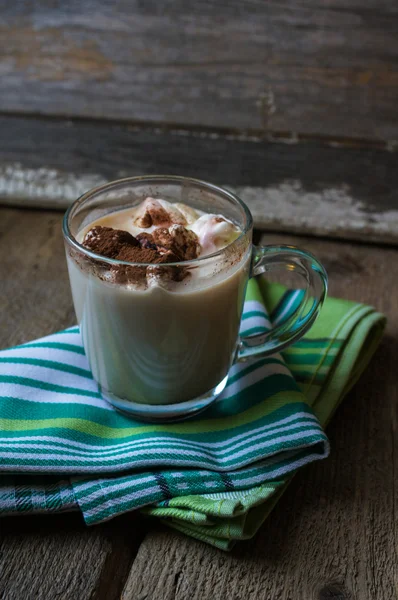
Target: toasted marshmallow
<point>214,232</point>
<point>159,213</point>
<point>191,215</point>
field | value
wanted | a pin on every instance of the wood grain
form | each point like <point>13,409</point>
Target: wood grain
<point>51,557</point>
<point>307,188</point>
<point>334,533</point>
<point>327,68</point>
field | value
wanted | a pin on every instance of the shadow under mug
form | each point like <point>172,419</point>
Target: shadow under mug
<point>164,354</point>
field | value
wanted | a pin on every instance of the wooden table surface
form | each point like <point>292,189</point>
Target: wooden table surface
<point>332,536</point>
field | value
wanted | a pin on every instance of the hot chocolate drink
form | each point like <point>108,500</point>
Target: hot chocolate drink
<point>159,325</point>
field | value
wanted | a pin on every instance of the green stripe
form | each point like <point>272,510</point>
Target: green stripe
<point>71,330</point>
<point>123,428</point>
<point>254,330</point>
<point>50,387</point>
<point>50,364</point>
<point>57,345</point>
<point>310,359</point>
<point>57,461</point>
<point>281,304</point>
<point>56,446</point>
<point>317,343</point>
<point>308,377</point>
<point>291,294</point>
<point>194,487</point>
<point>23,499</point>
<point>253,367</point>
<point>122,507</point>
<point>254,313</point>
<point>133,488</point>
<point>294,351</point>
<point>256,395</point>
<point>303,439</point>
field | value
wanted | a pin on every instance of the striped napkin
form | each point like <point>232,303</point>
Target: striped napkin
<point>215,477</point>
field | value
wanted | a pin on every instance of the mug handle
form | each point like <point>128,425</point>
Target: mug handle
<point>292,259</point>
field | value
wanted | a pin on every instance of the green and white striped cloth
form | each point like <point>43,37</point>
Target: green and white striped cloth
<point>215,477</point>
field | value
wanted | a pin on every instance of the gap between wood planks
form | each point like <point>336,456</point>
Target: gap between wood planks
<point>307,187</point>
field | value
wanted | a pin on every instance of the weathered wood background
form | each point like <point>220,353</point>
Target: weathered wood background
<point>306,188</point>
<point>91,91</point>
<point>318,67</point>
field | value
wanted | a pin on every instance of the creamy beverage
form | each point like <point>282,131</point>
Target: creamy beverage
<point>159,325</point>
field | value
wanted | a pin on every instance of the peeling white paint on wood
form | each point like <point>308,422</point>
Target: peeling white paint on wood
<point>44,188</point>
<point>284,207</point>
<point>331,211</point>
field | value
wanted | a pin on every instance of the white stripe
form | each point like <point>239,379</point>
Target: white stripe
<point>188,453</point>
<point>62,338</point>
<point>119,447</point>
<point>254,377</point>
<point>279,471</point>
<point>241,366</point>
<point>253,322</point>
<point>7,489</point>
<point>110,488</point>
<point>65,493</point>
<point>280,440</point>
<point>64,356</point>
<point>115,502</point>
<point>37,490</point>
<point>66,337</point>
<point>166,444</point>
<point>28,394</point>
<point>293,298</point>
<point>7,496</point>
<point>248,481</point>
<point>256,320</point>
<point>251,305</point>
<point>38,497</point>
<point>47,375</point>
<point>7,503</point>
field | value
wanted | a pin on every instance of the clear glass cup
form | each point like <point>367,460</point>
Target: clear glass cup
<point>164,353</point>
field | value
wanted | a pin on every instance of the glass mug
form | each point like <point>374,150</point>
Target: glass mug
<point>163,354</point>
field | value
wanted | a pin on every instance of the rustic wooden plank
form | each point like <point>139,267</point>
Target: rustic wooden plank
<point>59,557</point>
<point>316,67</point>
<point>334,532</point>
<point>51,557</point>
<point>307,188</point>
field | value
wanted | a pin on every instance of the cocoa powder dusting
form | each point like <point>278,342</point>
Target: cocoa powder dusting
<point>146,248</point>
<point>181,242</point>
<point>144,221</point>
<point>133,273</point>
<point>108,241</point>
<point>153,213</point>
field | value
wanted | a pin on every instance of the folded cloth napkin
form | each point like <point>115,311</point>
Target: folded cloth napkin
<point>216,476</point>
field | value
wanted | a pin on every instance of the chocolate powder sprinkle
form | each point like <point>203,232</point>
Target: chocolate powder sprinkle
<point>121,245</point>
<point>108,241</point>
